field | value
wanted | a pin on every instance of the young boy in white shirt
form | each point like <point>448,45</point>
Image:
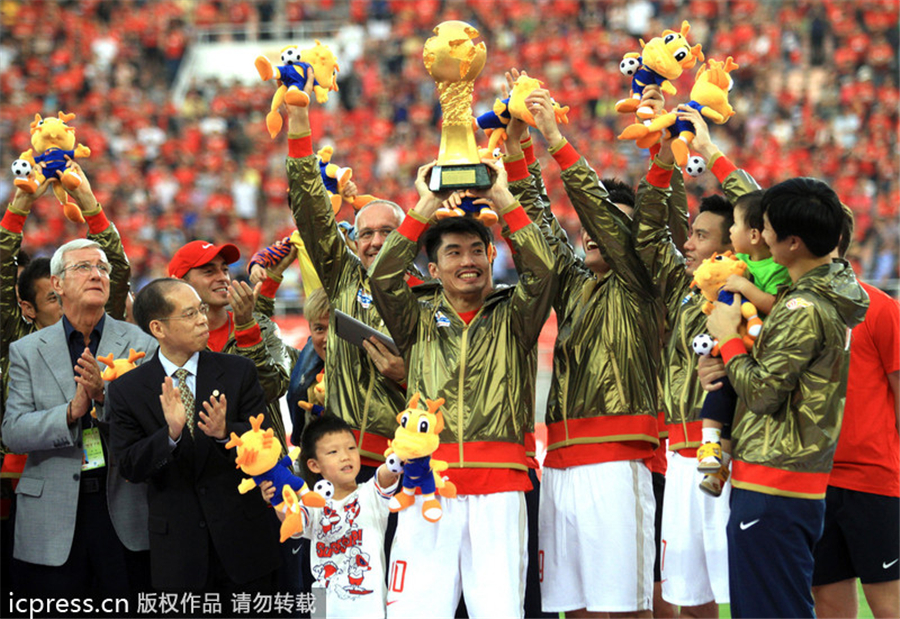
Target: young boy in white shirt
<point>347,535</point>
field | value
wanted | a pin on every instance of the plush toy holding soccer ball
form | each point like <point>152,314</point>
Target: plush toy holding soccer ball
<point>695,166</point>
<point>291,77</point>
<point>53,144</point>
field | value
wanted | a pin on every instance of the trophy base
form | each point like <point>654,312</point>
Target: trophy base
<point>460,176</point>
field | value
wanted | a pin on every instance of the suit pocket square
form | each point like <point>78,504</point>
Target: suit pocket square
<point>29,486</point>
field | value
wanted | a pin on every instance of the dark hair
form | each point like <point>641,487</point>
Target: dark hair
<point>847,227</point>
<point>22,260</point>
<point>806,208</point>
<point>36,269</point>
<point>718,205</point>
<point>619,191</point>
<point>319,427</point>
<point>151,303</point>
<point>750,207</point>
<point>433,237</point>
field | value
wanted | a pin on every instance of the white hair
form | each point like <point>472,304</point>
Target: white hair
<point>58,261</point>
<point>394,206</point>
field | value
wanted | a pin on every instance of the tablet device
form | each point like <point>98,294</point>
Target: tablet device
<point>355,332</point>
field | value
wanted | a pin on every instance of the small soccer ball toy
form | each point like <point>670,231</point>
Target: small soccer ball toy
<point>291,55</point>
<point>394,464</point>
<point>325,488</point>
<point>703,344</point>
<point>21,168</point>
<point>629,66</point>
<point>695,166</point>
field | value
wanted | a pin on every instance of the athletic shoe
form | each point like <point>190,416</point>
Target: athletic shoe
<point>709,457</point>
<point>712,483</point>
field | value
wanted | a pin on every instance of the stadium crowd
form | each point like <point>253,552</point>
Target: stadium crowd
<point>816,93</point>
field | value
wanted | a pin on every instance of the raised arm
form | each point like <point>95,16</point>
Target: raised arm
<point>604,222</point>
<point>735,182</point>
<point>311,205</point>
<point>535,262</point>
<point>394,299</point>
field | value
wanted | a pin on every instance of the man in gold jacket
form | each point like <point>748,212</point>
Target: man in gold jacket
<point>695,570</point>
<point>364,388</point>
<point>602,417</point>
<point>468,343</point>
<point>791,387</point>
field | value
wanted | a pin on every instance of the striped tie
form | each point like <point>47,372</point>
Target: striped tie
<point>187,398</point>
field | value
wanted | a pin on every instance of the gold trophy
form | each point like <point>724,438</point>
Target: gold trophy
<point>454,61</point>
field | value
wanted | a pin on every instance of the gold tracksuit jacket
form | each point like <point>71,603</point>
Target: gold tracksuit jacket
<point>792,385</point>
<point>480,368</point>
<point>682,394</point>
<point>602,402</point>
<point>356,391</point>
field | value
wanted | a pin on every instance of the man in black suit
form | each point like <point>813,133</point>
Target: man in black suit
<point>170,420</point>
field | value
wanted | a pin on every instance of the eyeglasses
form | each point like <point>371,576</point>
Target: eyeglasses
<point>366,234</point>
<point>85,268</point>
<point>190,313</point>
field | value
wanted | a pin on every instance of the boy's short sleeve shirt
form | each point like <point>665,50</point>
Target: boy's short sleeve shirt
<point>767,274</point>
<point>347,550</point>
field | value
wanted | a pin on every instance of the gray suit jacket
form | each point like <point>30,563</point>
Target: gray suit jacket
<point>41,384</point>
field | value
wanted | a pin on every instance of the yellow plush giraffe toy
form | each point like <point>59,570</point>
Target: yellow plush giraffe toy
<point>414,441</point>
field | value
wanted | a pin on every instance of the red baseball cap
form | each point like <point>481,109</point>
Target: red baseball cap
<point>198,253</point>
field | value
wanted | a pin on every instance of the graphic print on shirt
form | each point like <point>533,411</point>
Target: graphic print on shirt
<point>339,542</point>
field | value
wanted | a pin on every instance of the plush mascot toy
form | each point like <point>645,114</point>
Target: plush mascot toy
<point>52,140</point>
<point>292,76</point>
<point>494,122</point>
<point>116,367</point>
<point>662,59</point>
<point>710,278</point>
<point>316,395</point>
<point>709,96</point>
<point>335,179</point>
<point>410,452</point>
<point>258,455</point>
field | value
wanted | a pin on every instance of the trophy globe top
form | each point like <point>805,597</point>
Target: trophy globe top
<point>451,56</point>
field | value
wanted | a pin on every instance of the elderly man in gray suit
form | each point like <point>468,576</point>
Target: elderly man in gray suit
<point>81,529</point>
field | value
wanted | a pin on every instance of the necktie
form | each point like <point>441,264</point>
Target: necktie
<point>187,398</point>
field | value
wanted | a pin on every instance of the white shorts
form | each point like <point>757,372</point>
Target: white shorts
<point>596,537</point>
<point>694,561</point>
<point>479,546</point>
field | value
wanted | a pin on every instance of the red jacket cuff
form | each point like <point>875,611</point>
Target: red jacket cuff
<point>97,223</point>
<point>300,147</point>
<point>13,222</point>
<point>732,348</point>
<point>412,228</point>
<point>654,150</point>
<point>250,336</point>
<point>516,219</point>
<point>566,156</point>
<point>658,177</point>
<point>516,170</point>
<point>269,288</point>
<point>722,167</point>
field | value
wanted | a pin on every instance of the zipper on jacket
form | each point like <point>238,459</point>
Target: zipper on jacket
<point>459,395</point>
<point>686,382</point>
<point>615,367</point>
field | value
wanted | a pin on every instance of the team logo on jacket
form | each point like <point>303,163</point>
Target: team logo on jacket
<point>797,303</point>
<point>364,298</point>
<point>441,320</point>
